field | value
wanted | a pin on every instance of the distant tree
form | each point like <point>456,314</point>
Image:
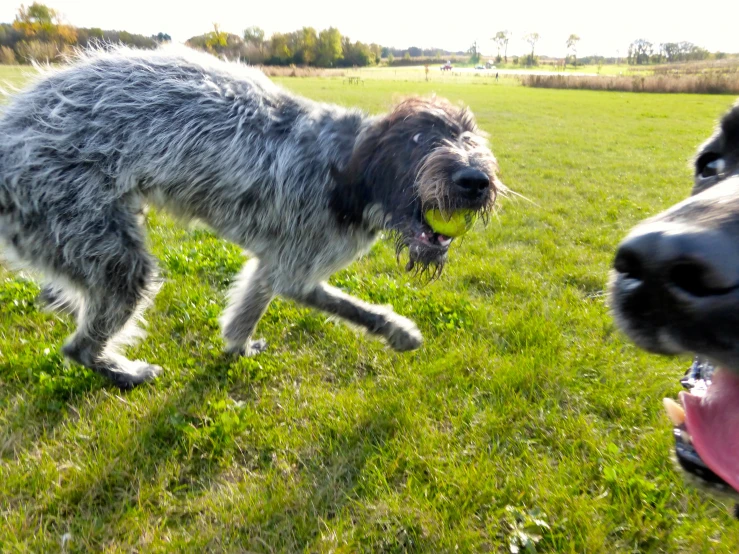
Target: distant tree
<point>571,43</point>
<point>43,24</point>
<point>161,37</point>
<point>691,52</point>
<point>474,53</point>
<point>640,51</point>
<point>390,58</point>
<point>216,39</point>
<point>377,51</point>
<point>330,48</point>
<point>306,47</point>
<point>407,56</point>
<point>532,39</point>
<point>670,51</point>
<point>356,54</point>
<point>280,49</point>
<point>255,37</point>
<point>415,52</point>
<point>501,39</point>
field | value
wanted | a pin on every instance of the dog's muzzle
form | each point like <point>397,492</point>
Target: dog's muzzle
<point>675,288</point>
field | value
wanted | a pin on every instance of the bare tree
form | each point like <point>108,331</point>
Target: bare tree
<point>255,36</point>
<point>474,53</point>
<point>532,39</point>
<point>572,41</point>
<point>501,39</point>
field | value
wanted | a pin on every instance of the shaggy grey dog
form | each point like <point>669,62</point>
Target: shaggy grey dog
<point>304,187</point>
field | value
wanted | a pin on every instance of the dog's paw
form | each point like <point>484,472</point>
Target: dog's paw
<point>403,335</point>
<point>251,348</point>
<point>136,373</point>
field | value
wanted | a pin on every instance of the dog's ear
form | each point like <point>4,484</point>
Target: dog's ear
<point>353,187</point>
<point>349,196</point>
<point>730,127</point>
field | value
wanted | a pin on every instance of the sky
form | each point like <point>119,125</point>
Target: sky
<point>605,28</point>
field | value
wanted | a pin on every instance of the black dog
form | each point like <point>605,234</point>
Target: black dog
<point>675,289</point>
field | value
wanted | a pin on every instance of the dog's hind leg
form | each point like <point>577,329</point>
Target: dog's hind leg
<point>248,299</point>
<point>108,318</point>
<point>116,278</point>
<point>401,333</point>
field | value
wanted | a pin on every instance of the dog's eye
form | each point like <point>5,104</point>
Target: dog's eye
<point>710,165</point>
<point>417,138</point>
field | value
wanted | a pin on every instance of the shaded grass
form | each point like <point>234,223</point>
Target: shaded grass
<point>523,395</point>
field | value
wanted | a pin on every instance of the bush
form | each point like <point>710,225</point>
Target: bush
<point>7,56</point>
<point>708,83</point>
<point>37,51</point>
<point>425,60</point>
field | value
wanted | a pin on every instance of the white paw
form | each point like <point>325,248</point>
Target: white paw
<point>251,348</point>
<point>402,334</point>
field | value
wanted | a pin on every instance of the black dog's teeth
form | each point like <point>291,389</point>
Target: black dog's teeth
<point>698,376</point>
<point>696,380</point>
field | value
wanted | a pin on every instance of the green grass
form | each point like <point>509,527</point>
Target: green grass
<point>13,76</point>
<point>525,406</point>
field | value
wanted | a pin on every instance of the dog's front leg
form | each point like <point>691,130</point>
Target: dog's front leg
<point>248,299</point>
<point>401,333</point>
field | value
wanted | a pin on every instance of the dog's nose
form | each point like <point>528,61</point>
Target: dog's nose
<point>689,261</point>
<point>471,181</point>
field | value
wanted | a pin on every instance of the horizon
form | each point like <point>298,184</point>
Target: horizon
<point>387,23</point>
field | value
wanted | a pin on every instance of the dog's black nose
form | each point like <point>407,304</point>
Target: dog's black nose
<point>696,261</point>
<point>471,181</point>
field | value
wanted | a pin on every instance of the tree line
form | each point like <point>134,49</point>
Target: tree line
<point>38,34</point>
<point>306,46</point>
<point>642,52</point>
<point>503,38</point>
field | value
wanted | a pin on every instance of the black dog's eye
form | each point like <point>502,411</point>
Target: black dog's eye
<point>709,165</point>
<point>417,138</point>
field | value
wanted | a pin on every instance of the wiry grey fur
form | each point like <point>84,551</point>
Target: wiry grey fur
<point>300,185</point>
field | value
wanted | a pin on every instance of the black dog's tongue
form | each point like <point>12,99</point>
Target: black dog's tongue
<point>707,424</point>
<point>696,381</point>
<point>712,420</point>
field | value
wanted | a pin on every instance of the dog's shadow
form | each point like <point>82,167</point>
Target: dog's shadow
<point>193,440</point>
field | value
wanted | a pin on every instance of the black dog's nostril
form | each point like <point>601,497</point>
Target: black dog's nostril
<point>629,264</point>
<point>471,180</point>
<point>698,262</point>
<point>634,254</point>
<point>693,278</point>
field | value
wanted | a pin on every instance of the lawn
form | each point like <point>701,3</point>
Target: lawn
<point>526,413</point>
<point>13,76</point>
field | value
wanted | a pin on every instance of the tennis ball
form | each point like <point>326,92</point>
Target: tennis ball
<point>454,224</point>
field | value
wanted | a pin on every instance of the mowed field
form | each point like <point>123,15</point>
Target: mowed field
<point>526,418</point>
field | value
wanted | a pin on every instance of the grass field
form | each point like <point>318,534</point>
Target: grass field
<point>526,414</point>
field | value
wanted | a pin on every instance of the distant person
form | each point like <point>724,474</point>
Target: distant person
<point>496,76</point>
